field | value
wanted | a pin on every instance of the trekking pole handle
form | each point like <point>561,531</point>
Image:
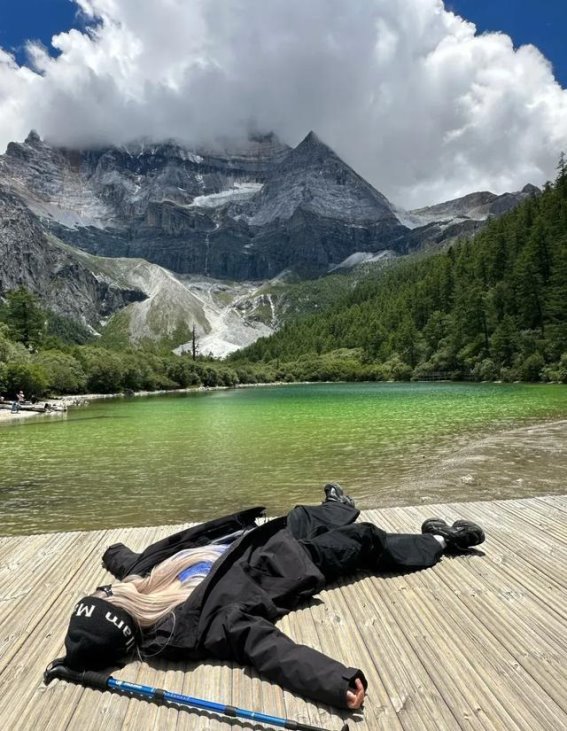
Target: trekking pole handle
<point>58,669</point>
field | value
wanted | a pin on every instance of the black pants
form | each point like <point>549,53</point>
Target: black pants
<point>339,547</point>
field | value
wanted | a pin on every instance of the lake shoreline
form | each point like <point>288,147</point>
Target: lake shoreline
<point>62,403</point>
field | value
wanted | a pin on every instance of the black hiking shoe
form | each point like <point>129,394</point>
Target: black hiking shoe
<point>334,493</point>
<point>461,535</point>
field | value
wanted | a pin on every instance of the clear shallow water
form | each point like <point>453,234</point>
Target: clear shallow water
<point>187,457</point>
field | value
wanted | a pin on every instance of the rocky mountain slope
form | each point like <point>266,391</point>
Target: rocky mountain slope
<point>166,223</point>
<point>463,216</point>
<point>475,206</point>
<point>237,214</point>
<point>32,258</point>
<point>137,299</point>
<point>225,316</point>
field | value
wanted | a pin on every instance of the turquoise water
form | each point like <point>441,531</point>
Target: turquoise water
<point>186,457</point>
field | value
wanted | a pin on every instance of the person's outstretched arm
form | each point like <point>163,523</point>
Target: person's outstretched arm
<point>235,635</point>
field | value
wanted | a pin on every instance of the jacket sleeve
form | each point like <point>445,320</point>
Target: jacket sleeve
<point>121,561</point>
<point>250,640</point>
<point>118,558</point>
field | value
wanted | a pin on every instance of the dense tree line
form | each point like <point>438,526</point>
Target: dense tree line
<point>494,307</point>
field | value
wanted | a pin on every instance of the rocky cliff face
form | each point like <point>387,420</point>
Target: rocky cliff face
<point>315,211</point>
<point>475,206</point>
<point>459,217</point>
<point>150,302</point>
<point>241,213</point>
<point>32,259</point>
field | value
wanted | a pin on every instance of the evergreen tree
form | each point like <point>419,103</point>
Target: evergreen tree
<point>24,317</point>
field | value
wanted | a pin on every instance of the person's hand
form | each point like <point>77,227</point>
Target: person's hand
<point>355,697</point>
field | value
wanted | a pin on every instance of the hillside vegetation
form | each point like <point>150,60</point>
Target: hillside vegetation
<point>494,307</point>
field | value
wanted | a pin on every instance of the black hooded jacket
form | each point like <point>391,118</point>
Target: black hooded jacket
<point>230,615</point>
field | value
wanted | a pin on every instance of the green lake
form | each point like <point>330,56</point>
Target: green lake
<point>187,457</point>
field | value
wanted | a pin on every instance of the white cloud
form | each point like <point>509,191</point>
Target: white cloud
<point>403,90</point>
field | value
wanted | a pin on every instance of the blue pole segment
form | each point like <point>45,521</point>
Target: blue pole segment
<point>152,693</point>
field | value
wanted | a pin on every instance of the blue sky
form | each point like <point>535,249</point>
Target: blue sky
<point>541,22</point>
<point>22,20</point>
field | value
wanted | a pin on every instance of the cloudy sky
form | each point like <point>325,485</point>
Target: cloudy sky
<point>422,102</point>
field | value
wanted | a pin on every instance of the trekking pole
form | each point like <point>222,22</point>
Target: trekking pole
<point>101,681</point>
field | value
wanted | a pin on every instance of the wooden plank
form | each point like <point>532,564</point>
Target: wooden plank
<point>111,711</point>
<point>35,599</point>
<point>541,517</point>
<point>523,565</point>
<point>522,557</point>
<point>518,657</point>
<point>300,627</point>
<point>474,643</point>
<point>14,566</point>
<point>511,575</point>
<point>27,665</point>
<point>558,502</point>
<point>9,545</point>
<point>378,637</point>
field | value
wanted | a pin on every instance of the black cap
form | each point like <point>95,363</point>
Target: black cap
<point>100,635</point>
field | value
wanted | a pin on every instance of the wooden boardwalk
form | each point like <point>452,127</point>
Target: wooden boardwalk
<point>477,642</point>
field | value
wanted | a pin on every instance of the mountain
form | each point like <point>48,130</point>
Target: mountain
<point>475,206</point>
<point>460,217</point>
<point>315,211</point>
<point>243,213</point>
<point>225,316</point>
<point>150,240</point>
<point>492,308</point>
<point>134,299</point>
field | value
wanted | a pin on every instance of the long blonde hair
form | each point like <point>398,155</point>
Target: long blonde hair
<point>150,598</point>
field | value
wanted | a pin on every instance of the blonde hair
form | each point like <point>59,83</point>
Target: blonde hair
<point>150,598</point>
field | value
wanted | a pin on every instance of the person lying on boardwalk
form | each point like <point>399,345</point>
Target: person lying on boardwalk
<point>215,590</point>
